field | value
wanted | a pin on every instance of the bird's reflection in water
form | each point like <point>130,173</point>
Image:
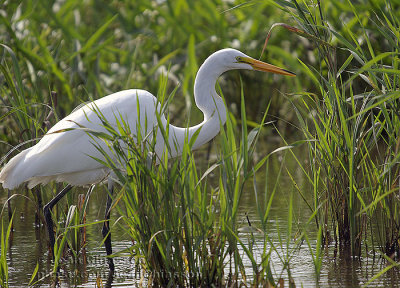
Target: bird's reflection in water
<point>110,279</point>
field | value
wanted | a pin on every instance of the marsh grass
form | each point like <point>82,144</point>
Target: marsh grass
<point>4,241</point>
<point>352,128</point>
<point>184,228</point>
<point>70,234</point>
<point>348,116</point>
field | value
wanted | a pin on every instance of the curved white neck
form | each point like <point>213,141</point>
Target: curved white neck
<point>210,103</point>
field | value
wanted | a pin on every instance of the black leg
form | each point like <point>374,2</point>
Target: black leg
<point>47,214</point>
<point>106,226</point>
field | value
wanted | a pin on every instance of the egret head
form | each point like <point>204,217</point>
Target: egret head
<point>230,59</point>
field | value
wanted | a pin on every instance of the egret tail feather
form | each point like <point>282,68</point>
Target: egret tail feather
<point>11,176</point>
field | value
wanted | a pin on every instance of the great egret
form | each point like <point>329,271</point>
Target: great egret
<point>65,156</point>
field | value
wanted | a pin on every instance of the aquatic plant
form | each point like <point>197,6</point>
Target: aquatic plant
<point>352,128</point>
<point>5,238</point>
<point>347,108</point>
<point>185,232</point>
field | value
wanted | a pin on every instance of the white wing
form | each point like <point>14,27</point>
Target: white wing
<point>64,156</point>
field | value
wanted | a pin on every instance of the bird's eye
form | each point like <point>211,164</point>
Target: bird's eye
<point>239,59</point>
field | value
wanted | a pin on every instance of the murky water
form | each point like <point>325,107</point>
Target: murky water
<point>29,247</point>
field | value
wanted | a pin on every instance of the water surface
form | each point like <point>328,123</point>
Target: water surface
<point>30,245</point>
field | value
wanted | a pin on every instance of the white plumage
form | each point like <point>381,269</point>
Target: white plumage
<point>64,156</point>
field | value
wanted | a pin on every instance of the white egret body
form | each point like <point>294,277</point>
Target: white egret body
<point>65,156</point>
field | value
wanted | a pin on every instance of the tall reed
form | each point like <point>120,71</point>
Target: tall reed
<point>352,125</point>
<point>184,228</point>
<point>4,240</point>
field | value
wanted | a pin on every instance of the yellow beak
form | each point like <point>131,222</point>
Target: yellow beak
<point>265,67</point>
